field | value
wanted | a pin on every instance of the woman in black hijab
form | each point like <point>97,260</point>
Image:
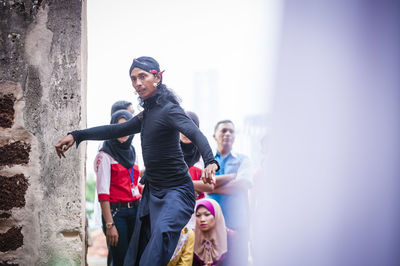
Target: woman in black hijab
<point>122,105</point>
<point>168,197</point>
<point>193,160</point>
<point>118,190</point>
<point>190,152</point>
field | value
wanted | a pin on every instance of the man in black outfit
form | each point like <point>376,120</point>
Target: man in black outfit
<point>168,198</point>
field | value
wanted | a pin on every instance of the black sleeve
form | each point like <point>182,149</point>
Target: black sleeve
<point>179,120</point>
<point>130,127</point>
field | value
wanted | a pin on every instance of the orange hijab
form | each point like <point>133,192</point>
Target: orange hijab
<point>211,248</point>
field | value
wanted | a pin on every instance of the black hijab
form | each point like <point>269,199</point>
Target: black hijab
<point>190,151</point>
<point>120,105</point>
<point>123,153</point>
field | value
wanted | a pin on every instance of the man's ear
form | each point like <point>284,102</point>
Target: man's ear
<point>214,137</point>
<point>158,78</point>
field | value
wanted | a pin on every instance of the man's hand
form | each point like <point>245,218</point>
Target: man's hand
<point>141,172</point>
<point>208,173</point>
<point>112,236</point>
<point>64,144</point>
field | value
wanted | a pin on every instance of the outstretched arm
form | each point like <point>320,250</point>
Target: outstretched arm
<point>113,131</point>
<point>64,144</point>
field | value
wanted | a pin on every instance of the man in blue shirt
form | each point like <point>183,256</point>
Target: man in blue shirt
<point>233,180</point>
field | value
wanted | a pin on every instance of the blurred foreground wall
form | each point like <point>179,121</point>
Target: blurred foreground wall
<point>42,97</point>
<point>330,192</point>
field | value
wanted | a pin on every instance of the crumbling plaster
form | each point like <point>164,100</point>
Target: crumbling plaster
<point>41,63</point>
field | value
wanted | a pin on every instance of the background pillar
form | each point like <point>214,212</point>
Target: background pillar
<point>42,97</point>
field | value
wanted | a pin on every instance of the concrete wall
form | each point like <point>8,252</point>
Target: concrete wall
<point>42,97</point>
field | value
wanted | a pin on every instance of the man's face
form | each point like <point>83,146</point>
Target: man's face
<point>143,82</point>
<point>225,135</point>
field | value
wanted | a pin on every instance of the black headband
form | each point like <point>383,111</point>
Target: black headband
<point>146,63</point>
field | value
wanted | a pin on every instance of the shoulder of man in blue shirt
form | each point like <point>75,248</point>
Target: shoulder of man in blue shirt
<point>230,163</point>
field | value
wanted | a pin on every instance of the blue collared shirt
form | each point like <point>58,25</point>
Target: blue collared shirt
<point>235,206</point>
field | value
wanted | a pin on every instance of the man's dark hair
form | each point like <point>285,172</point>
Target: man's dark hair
<point>223,122</point>
<point>163,94</point>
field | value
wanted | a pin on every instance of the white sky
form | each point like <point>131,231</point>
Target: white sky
<point>218,56</point>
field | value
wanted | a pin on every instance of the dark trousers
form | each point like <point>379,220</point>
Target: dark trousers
<point>124,220</point>
<point>163,212</point>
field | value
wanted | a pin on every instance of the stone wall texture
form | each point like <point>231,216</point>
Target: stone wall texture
<point>42,97</point>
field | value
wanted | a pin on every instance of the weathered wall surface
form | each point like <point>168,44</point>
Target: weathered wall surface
<point>42,97</point>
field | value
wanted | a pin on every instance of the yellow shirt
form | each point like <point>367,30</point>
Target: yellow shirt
<point>186,252</point>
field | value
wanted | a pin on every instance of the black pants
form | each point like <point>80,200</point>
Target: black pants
<point>124,220</point>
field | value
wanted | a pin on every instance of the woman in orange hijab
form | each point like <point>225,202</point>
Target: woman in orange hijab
<point>211,235</point>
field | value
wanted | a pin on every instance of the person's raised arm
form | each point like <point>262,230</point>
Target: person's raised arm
<point>179,120</point>
<point>130,127</point>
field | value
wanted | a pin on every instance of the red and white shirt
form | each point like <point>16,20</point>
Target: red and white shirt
<point>113,180</point>
<point>195,174</point>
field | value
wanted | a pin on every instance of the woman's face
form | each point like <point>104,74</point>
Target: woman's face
<point>130,109</point>
<point>143,82</point>
<point>205,221</point>
<point>122,139</point>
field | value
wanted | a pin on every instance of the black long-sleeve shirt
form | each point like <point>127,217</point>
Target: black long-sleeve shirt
<point>159,124</point>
